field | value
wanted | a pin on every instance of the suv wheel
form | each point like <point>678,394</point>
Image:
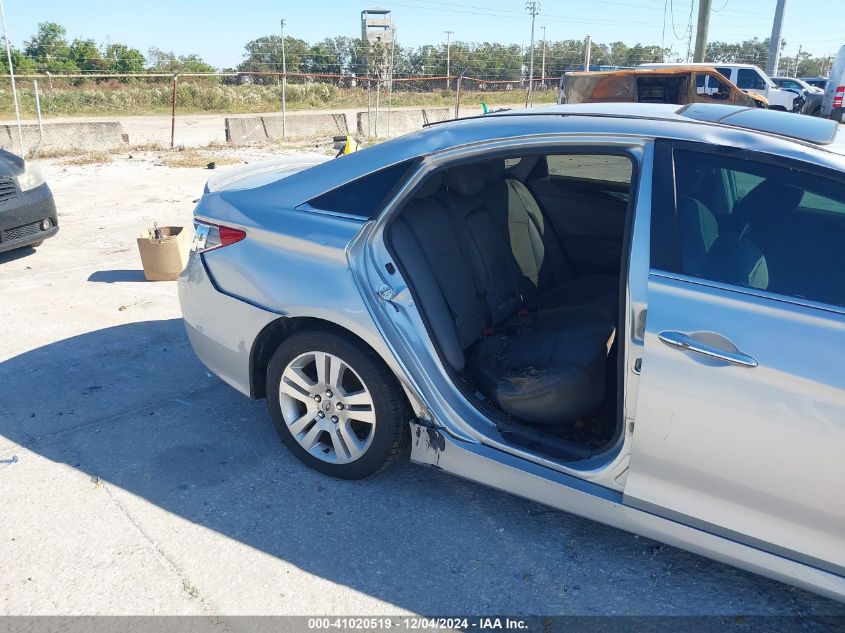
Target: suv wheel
<point>336,405</point>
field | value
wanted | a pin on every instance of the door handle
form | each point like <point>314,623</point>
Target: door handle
<point>682,341</point>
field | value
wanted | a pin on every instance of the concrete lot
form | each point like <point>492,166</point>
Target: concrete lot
<point>134,482</point>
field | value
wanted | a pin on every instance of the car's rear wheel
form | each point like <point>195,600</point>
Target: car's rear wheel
<point>335,404</point>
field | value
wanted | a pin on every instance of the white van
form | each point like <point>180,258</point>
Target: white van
<point>833,103</point>
<point>751,79</point>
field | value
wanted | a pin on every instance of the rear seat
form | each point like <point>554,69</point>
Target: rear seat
<point>459,266</point>
<point>545,274</point>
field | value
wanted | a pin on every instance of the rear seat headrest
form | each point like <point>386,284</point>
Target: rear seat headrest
<point>494,170</point>
<point>430,186</point>
<point>465,181</point>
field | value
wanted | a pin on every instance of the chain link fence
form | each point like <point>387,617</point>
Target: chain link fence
<point>68,113</point>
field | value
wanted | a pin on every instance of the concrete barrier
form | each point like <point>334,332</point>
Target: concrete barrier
<point>245,130</point>
<point>82,136</point>
<point>306,125</point>
<point>434,115</point>
<point>256,129</point>
<point>400,121</point>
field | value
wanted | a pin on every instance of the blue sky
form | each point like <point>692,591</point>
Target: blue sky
<point>217,30</point>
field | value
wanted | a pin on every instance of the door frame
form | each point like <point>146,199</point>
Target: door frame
<point>404,327</point>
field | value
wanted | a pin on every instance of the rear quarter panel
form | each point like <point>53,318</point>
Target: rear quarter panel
<point>293,263</point>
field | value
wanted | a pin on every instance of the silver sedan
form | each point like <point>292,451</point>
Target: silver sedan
<point>631,312</point>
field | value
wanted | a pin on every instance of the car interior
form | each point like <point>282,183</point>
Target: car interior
<point>662,89</point>
<point>760,226</point>
<point>515,266</point>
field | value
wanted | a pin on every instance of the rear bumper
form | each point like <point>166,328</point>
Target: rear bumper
<point>221,329</point>
<point>21,218</point>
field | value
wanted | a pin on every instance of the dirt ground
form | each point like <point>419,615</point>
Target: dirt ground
<point>135,482</point>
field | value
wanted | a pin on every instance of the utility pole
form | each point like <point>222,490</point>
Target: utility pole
<point>533,7</point>
<point>797,60</point>
<point>448,60</point>
<point>588,46</point>
<point>390,85</point>
<point>777,36</point>
<point>284,83</point>
<point>12,77</point>
<point>543,65</point>
<point>701,33</point>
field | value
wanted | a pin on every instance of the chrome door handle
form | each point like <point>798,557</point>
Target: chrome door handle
<point>682,341</point>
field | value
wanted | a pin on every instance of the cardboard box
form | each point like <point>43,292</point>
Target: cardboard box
<point>163,259</point>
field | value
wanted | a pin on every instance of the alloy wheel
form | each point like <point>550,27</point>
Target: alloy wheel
<point>327,407</point>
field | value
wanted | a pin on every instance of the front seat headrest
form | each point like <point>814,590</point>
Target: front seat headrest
<point>767,201</point>
<point>494,170</point>
<point>430,186</point>
<point>467,180</point>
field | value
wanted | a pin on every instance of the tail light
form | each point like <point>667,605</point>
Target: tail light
<point>838,96</point>
<point>209,236</point>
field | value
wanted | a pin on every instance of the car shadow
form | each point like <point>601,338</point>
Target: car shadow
<point>18,253</point>
<point>112,276</point>
<point>132,407</point>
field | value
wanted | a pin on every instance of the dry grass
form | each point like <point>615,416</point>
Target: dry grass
<point>191,157</point>
<point>196,158</point>
<point>194,97</point>
<point>88,158</point>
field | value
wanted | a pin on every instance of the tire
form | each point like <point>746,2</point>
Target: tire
<point>329,425</point>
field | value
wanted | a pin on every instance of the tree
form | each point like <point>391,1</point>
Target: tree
<point>754,51</point>
<point>49,49</point>
<point>168,62</point>
<point>122,59</point>
<point>319,60</point>
<point>87,57</point>
<point>20,62</point>
<point>265,55</point>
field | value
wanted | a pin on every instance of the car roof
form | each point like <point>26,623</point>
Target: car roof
<point>694,65</point>
<point>733,126</point>
<point>643,70</point>
<point>812,130</point>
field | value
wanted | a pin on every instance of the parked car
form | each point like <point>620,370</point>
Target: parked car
<point>816,82</point>
<point>834,94</point>
<point>625,311</point>
<point>679,85</point>
<point>751,79</point>
<point>812,95</point>
<point>27,211</point>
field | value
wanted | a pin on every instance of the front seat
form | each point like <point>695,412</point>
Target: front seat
<point>726,255</point>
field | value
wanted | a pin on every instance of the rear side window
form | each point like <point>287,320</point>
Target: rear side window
<point>781,230</point>
<point>591,167</point>
<point>365,196</point>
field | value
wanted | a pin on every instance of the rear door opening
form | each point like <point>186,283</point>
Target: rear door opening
<point>515,264</point>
